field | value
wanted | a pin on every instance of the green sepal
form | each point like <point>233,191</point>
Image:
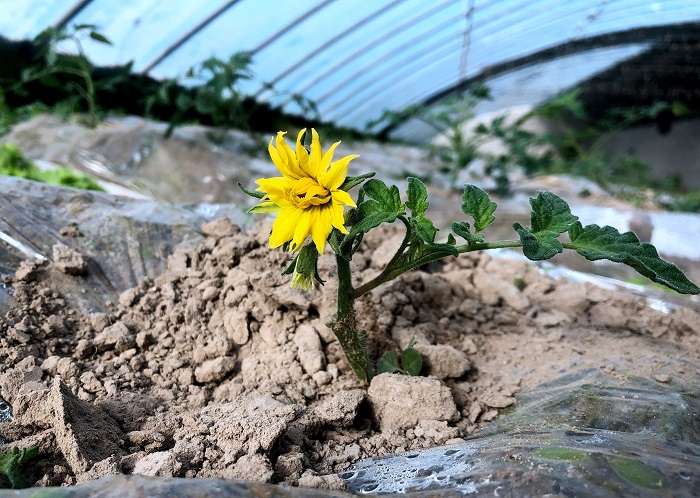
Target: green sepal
<point>388,363</point>
<point>353,181</point>
<point>265,207</point>
<point>252,193</point>
<point>477,204</point>
<point>461,228</point>
<point>594,243</point>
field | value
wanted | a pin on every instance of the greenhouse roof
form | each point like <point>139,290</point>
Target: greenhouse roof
<point>358,58</point>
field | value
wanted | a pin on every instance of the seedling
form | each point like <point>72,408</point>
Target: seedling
<point>410,362</point>
<point>310,199</point>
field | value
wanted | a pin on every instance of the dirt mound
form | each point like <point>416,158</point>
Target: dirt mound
<point>218,368</point>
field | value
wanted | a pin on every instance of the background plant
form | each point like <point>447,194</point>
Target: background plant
<point>13,163</point>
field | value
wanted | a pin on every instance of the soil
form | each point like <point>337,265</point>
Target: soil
<point>218,368</point>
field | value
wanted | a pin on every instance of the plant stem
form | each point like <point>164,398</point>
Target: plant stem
<point>390,271</point>
<point>344,324</point>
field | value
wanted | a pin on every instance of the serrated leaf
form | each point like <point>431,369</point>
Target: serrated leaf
<point>594,243</point>
<point>550,217</point>
<point>550,213</point>
<point>461,228</point>
<point>476,203</point>
<point>424,228</point>
<point>384,206</point>
<point>252,193</point>
<point>417,197</point>
<point>537,247</point>
<point>388,197</point>
<point>411,361</point>
<point>353,181</point>
<point>388,363</point>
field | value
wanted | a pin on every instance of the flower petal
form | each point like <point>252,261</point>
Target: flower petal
<point>327,158</point>
<point>284,225</point>
<point>335,176</point>
<point>321,227</point>
<point>344,197</point>
<point>338,216</point>
<point>302,230</point>
<point>316,155</point>
<point>302,154</point>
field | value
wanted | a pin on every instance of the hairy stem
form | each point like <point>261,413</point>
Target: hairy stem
<point>344,324</point>
<point>391,270</point>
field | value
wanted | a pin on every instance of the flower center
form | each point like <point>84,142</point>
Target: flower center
<point>305,192</point>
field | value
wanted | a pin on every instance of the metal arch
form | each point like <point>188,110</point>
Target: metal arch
<point>187,36</point>
<point>71,14</point>
<point>286,28</point>
<point>398,76</point>
<point>616,38</point>
<point>428,33</point>
<point>482,23</point>
<point>375,43</point>
<point>329,43</point>
<point>435,29</point>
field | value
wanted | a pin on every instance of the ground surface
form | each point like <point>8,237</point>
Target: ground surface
<point>218,368</point>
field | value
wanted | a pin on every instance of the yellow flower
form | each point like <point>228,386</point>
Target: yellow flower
<point>307,196</point>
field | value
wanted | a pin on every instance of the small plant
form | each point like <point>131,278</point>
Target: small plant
<point>310,198</point>
<point>11,467</point>
<point>410,362</point>
<point>13,163</point>
<point>52,66</point>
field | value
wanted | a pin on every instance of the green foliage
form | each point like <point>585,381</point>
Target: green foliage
<point>410,362</point>
<point>476,203</point>
<point>13,163</point>
<point>594,243</point>
<point>550,217</point>
<point>11,467</point>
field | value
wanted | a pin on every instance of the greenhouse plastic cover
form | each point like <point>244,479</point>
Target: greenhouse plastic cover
<point>357,58</point>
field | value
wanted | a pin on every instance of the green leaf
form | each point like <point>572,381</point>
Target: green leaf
<point>353,181</point>
<point>384,206</point>
<point>99,37</point>
<point>476,203</point>
<point>417,197</point>
<point>594,243</point>
<point>550,217</point>
<point>388,363</point>
<point>537,247</point>
<point>11,462</point>
<point>252,193</point>
<point>451,239</point>
<point>424,228</point>
<point>550,213</point>
<point>411,361</point>
<point>388,197</point>
<point>461,228</point>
